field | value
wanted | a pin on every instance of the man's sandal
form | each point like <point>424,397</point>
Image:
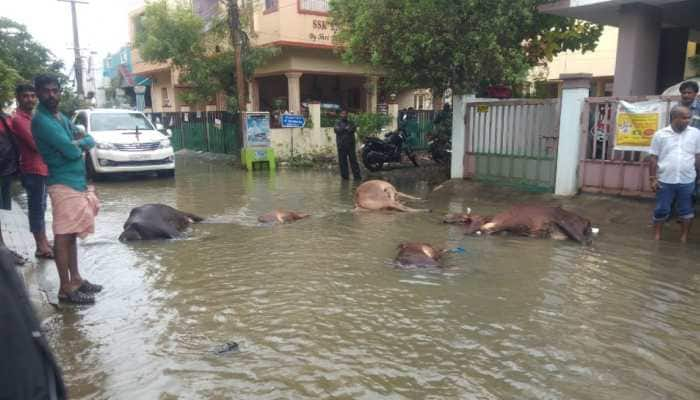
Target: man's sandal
<point>76,297</point>
<point>89,287</point>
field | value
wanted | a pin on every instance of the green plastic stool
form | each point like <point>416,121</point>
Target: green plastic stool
<point>253,156</point>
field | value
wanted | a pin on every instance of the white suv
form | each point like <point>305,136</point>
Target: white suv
<point>125,141</point>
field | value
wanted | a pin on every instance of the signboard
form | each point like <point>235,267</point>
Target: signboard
<point>636,123</point>
<point>257,129</point>
<point>292,121</point>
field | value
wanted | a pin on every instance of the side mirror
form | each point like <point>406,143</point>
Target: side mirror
<point>159,126</point>
<point>81,129</point>
<point>168,132</point>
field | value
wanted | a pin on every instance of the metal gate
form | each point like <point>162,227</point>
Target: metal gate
<point>602,168</point>
<point>513,142</point>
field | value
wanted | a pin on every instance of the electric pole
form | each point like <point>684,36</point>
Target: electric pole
<point>76,48</point>
<point>234,23</point>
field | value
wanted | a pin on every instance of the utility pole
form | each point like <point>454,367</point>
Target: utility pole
<point>234,23</point>
<point>76,48</point>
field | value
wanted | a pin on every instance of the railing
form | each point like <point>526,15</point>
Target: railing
<point>314,5</point>
<point>213,131</point>
<point>604,169</point>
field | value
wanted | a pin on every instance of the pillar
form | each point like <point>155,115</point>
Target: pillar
<point>372,87</point>
<point>254,95</point>
<point>673,48</point>
<point>459,109</point>
<point>636,61</point>
<point>394,115</point>
<point>575,89</point>
<point>294,92</point>
<point>315,114</point>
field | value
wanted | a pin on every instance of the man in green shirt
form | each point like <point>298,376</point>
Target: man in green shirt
<point>74,204</point>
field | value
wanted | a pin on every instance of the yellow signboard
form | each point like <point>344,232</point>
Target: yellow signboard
<point>636,124</point>
<point>482,108</point>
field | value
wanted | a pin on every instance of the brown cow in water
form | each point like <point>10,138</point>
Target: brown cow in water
<point>281,217</point>
<point>416,254</point>
<point>380,195</point>
<point>529,220</point>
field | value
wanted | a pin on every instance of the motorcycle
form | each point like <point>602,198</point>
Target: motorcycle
<point>440,148</point>
<point>376,152</point>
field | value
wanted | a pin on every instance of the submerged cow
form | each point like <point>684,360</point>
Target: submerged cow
<point>281,217</point>
<point>380,195</point>
<point>156,221</point>
<point>529,220</point>
<point>417,254</point>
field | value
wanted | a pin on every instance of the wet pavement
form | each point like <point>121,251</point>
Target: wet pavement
<point>318,310</point>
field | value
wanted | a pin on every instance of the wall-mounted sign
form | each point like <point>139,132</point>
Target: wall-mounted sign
<point>636,124</point>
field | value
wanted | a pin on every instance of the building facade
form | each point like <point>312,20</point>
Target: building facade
<point>306,69</point>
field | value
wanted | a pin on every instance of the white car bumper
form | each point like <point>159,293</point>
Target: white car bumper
<point>115,161</point>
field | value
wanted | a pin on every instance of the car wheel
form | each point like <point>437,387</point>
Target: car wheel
<point>166,173</point>
<point>90,169</point>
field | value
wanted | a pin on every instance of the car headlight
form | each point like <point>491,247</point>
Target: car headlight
<point>105,146</point>
<point>165,143</point>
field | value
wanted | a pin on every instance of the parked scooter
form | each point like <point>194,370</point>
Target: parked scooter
<point>376,152</point>
<point>440,148</point>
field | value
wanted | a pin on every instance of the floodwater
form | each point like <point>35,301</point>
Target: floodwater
<point>319,311</point>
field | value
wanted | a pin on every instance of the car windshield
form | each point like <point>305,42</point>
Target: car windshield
<point>119,122</point>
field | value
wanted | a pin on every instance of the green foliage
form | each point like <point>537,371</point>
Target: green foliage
<point>328,120</point>
<point>21,58</point>
<point>462,45</point>
<point>172,32</point>
<point>70,102</point>
<point>369,124</point>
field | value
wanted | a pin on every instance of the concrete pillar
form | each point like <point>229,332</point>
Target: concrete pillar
<point>459,108</point>
<point>315,114</point>
<point>575,90</point>
<point>394,115</point>
<point>254,95</point>
<point>294,91</point>
<point>372,87</point>
<point>673,48</point>
<point>637,50</point>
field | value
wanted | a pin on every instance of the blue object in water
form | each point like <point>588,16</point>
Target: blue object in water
<point>458,250</point>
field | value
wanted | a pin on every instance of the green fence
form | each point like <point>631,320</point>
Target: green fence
<point>215,132</point>
<point>418,123</point>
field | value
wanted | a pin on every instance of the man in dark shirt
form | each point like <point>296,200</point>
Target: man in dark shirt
<point>345,140</point>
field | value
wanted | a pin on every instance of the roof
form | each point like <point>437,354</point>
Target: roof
<point>674,13</point>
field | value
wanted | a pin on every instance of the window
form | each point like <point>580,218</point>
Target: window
<point>314,5</point>
<point>119,122</point>
<point>164,96</point>
<point>271,5</point>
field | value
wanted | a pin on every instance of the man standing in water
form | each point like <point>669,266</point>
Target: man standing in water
<point>345,140</point>
<point>674,154</point>
<point>73,203</point>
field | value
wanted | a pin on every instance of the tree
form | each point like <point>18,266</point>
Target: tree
<point>21,58</point>
<point>201,53</point>
<point>463,45</point>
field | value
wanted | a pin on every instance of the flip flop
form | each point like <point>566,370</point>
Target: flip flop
<point>89,287</point>
<point>47,255</point>
<point>76,297</point>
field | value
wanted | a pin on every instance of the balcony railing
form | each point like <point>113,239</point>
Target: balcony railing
<point>314,5</point>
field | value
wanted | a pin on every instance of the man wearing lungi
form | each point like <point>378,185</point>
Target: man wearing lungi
<point>74,203</point>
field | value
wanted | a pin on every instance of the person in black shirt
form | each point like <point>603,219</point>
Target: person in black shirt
<point>345,140</point>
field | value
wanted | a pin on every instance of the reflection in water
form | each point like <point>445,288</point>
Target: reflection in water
<point>320,312</point>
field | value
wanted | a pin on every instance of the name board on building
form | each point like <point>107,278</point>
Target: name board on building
<point>322,30</point>
<point>293,121</point>
<point>257,129</point>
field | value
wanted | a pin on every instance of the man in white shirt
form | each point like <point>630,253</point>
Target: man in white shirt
<point>674,152</point>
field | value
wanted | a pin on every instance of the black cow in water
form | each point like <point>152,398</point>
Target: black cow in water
<point>156,221</point>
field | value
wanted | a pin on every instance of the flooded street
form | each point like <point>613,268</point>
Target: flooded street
<point>319,311</point>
